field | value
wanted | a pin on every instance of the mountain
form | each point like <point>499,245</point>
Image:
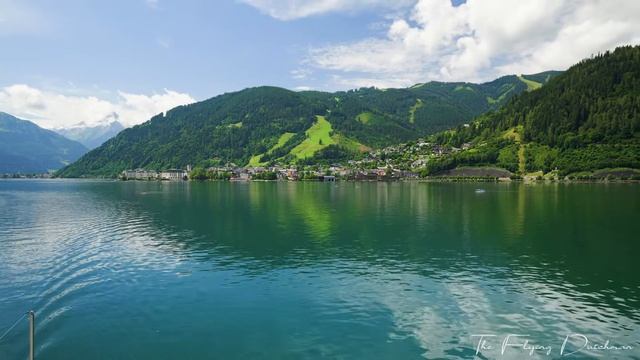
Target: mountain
<point>264,124</point>
<point>27,148</point>
<point>587,118</point>
<point>91,136</point>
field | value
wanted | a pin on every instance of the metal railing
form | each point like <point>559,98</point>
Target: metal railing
<point>31,315</point>
<point>32,334</point>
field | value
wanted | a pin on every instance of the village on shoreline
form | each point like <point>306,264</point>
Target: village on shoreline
<point>234,173</point>
<point>402,162</point>
<point>340,173</point>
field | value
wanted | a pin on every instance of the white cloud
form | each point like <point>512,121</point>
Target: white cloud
<point>296,9</point>
<point>54,110</point>
<point>482,39</point>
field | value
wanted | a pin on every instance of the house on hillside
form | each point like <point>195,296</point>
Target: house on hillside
<point>441,150</point>
<point>421,162</point>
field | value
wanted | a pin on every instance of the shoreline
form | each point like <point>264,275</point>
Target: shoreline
<point>421,180</point>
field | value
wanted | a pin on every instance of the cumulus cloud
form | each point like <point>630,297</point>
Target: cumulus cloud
<point>54,110</point>
<point>482,39</point>
<point>296,9</point>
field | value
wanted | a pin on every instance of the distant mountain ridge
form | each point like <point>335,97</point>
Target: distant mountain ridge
<point>91,136</point>
<point>27,148</point>
<point>269,124</point>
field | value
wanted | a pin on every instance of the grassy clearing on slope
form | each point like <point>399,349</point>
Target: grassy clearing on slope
<point>491,100</point>
<point>412,111</point>
<point>521,160</point>
<point>349,144</point>
<point>531,85</point>
<point>515,134</point>
<point>364,117</point>
<point>282,140</point>
<point>318,137</point>
<point>255,160</point>
<point>461,88</point>
<point>369,118</point>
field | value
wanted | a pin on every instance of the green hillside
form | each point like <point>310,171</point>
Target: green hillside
<point>586,119</point>
<point>27,148</point>
<point>247,127</point>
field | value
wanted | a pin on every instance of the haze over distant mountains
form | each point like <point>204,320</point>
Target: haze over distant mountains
<point>27,148</point>
<point>92,136</point>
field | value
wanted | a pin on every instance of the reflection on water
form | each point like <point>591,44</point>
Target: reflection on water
<point>122,270</point>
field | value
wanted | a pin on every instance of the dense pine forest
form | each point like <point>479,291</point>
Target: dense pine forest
<point>586,119</point>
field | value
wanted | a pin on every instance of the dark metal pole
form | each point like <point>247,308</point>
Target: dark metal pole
<point>32,333</point>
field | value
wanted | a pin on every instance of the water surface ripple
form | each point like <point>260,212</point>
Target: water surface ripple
<point>147,270</point>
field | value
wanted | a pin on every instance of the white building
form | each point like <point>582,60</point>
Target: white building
<point>173,174</point>
<point>140,174</point>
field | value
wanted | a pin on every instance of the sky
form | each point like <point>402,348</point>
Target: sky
<point>86,62</point>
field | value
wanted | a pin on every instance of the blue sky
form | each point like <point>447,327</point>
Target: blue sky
<point>70,61</point>
<point>200,47</point>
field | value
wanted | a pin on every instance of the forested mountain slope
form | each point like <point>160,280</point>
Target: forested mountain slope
<point>587,118</point>
<point>265,124</point>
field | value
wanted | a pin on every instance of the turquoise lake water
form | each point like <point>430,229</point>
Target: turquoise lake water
<point>263,270</point>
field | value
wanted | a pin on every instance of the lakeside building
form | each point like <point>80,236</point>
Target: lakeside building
<point>47,175</point>
<point>174,175</point>
<point>143,174</point>
<point>140,174</point>
<point>334,172</point>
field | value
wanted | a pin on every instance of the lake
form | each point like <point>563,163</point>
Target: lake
<point>347,270</point>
